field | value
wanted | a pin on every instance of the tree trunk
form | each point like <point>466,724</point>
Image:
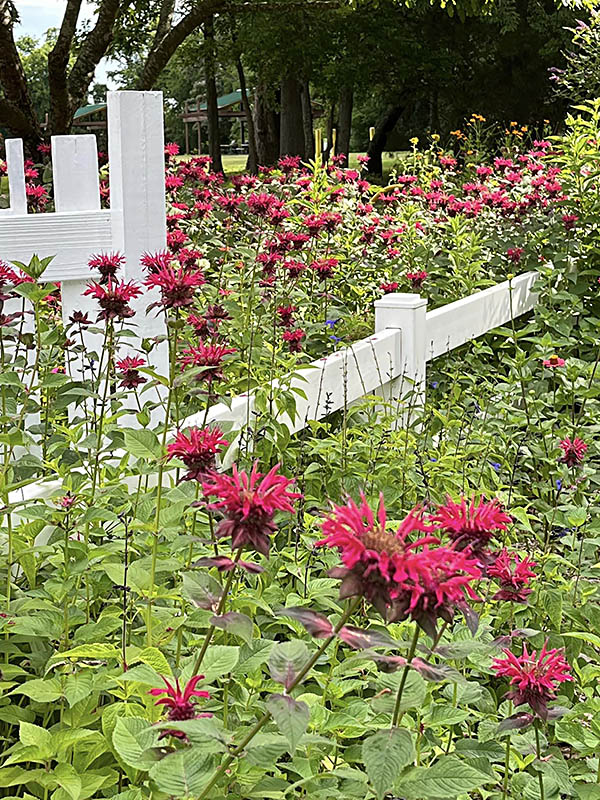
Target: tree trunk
<point>252,164</point>
<point>212,108</point>
<point>344,129</point>
<point>266,126</point>
<point>330,127</point>
<point>307,121</point>
<point>18,112</point>
<point>385,125</point>
<point>291,141</point>
<point>58,65</point>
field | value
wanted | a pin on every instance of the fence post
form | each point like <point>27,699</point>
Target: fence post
<point>77,188</point>
<point>15,168</point>
<point>406,312</point>
<point>137,198</point>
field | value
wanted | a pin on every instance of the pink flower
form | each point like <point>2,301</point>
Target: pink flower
<point>553,362</point>
<point>180,703</point>
<point>573,451</point>
<point>44,149</point>
<point>514,254</point>
<point>171,149</point>
<point>107,264</point>
<point>128,367</point>
<point>249,503</point>
<point>289,163</point>
<point>417,278</point>
<point>198,451</point>
<point>176,286</point>
<point>294,339</point>
<point>513,575</point>
<point>471,525</point>
<point>324,267</point>
<point>113,298</point>
<point>534,678</point>
<point>173,182</point>
<point>569,221</point>
<point>209,356</point>
<point>286,315</point>
<point>448,161</point>
<point>388,288</point>
<point>37,196</point>
<point>400,578</point>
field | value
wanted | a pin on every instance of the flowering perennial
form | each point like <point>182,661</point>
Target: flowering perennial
<point>533,679</point>
<point>248,503</point>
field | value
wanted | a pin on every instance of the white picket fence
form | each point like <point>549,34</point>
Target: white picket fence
<point>389,363</point>
<point>79,228</point>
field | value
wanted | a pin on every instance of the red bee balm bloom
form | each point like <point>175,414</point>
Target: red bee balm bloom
<point>400,578</point>
<point>249,503</point>
<point>573,451</point>
<point>179,702</point>
<point>535,678</point>
<point>513,575</point>
<point>553,362</point>
<point>417,279</point>
<point>130,377</point>
<point>197,450</point>
<point>176,285</point>
<point>107,264</point>
<point>114,298</point>
<point>471,525</point>
<point>209,356</point>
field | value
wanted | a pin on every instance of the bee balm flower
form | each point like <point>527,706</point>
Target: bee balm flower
<point>573,451</point>
<point>400,578</point>
<point>471,525</point>
<point>513,575</point>
<point>249,503</point>
<point>533,679</point>
<point>197,450</point>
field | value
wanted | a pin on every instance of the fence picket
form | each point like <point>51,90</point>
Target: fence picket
<point>15,169</point>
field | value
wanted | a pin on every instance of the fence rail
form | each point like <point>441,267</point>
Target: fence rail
<point>388,363</point>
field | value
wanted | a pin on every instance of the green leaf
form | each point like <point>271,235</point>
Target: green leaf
<point>40,691</point>
<point>590,638</point>
<point>33,736</point>
<point>219,660</point>
<point>96,651</point>
<point>385,754</point>
<point>232,622</point>
<point>447,778</point>
<point>552,602</point>
<point>183,773</point>
<point>291,716</point>
<point>286,661</point>
<point>133,739</point>
<point>155,659</point>
<point>68,779</point>
<point>142,444</point>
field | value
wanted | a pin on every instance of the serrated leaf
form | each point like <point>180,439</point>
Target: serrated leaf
<point>142,443</point>
<point>219,660</point>
<point>447,778</point>
<point>235,623</point>
<point>40,691</point>
<point>153,657</point>
<point>291,716</point>
<point>96,652</point>
<point>385,754</point>
<point>183,773</point>
<point>68,779</point>
<point>286,661</point>
<point>133,738</point>
<point>34,736</point>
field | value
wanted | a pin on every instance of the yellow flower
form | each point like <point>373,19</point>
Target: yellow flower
<point>469,152</point>
<point>435,137</point>
<point>524,128</point>
<point>546,122</point>
<point>456,132</point>
<point>414,140</point>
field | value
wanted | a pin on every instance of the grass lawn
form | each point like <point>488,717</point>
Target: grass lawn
<point>235,164</point>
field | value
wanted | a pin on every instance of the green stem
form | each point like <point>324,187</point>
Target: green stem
<point>411,653</point>
<point>539,756</point>
<point>220,609</point>
<point>267,716</point>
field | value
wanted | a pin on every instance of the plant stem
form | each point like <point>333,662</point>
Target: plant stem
<point>539,756</point>
<point>219,611</point>
<point>411,653</point>
<point>267,716</point>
